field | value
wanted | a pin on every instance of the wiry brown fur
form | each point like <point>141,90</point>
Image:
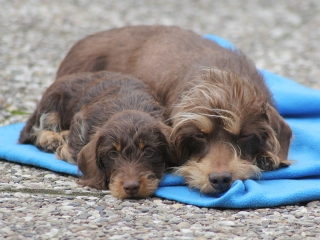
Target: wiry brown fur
<point>60,102</point>
<point>110,125</point>
<point>225,125</point>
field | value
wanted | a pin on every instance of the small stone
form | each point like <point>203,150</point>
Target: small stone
<point>313,204</point>
<point>28,235</point>
<point>157,201</point>
<point>67,208</point>
<point>52,200</point>
<point>209,234</point>
<point>84,216</point>
<point>305,223</point>
<point>299,214</point>
<point>177,205</point>
<point>93,226</point>
<point>226,223</point>
<point>103,220</point>
<point>117,237</point>
<point>276,213</point>
<point>243,213</point>
<point>125,228</point>
<point>75,204</point>
<point>265,223</point>
<point>78,229</point>
<point>50,176</point>
<point>100,208</point>
<point>183,225</point>
<point>186,231</point>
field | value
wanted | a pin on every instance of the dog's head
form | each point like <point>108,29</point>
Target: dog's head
<point>129,154</point>
<point>225,129</point>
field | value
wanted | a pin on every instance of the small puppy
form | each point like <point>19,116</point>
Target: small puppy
<point>225,125</point>
<point>115,131</point>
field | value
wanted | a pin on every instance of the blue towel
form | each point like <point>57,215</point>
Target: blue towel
<point>300,182</point>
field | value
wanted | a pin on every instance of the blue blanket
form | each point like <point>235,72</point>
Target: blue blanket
<point>300,182</point>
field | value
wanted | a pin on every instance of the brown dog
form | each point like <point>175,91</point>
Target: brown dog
<point>116,135</point>
<point>225,125</point>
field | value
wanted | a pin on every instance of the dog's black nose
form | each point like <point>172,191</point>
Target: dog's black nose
<point>131,187</point>
<point>220,181</point>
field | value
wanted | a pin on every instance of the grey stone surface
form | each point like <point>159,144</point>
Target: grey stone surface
<point>280,36</point>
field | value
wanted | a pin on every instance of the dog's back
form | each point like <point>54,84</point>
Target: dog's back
<point>60,102</point>
<point>68,94</point>
<point>160,56</point>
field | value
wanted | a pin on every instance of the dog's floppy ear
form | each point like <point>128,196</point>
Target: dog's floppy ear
<point>283,133</point>
<point>171,157</point>
<point>93,174</point>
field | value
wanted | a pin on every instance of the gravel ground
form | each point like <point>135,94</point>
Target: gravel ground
<point>281,36</point>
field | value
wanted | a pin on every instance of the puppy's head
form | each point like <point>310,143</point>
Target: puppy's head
<point>128,154</point>
<point>226,130</point>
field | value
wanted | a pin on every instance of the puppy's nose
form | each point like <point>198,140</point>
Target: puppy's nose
<point>131,187</point>
<point>220,181</point>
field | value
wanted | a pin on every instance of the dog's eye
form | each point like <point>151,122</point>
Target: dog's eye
<point>113,154</point>
<point>244,137</point>
<point>148,152</point>
<point>200,136</point>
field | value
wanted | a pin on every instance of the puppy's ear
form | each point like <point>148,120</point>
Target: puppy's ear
<point>171,157</point>
<point>93,173</point>
<point>283,133</point>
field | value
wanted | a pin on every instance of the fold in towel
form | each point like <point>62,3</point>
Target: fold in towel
<point>299,105</point>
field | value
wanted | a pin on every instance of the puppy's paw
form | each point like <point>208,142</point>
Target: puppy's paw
<point>268,164</point>
<point>64,135</point>
<point>62,153</point>
<point>49,141</point>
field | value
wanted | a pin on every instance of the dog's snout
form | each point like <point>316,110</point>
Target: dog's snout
<point>220,181</point>
<point>131,187</point>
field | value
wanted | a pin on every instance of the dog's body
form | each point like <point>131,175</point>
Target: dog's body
<point>115,131</point>
<point>225,126</point>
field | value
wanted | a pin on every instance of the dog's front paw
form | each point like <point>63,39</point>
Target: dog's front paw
<point>49,141</point>
<point>62,153</point>
<point>64,135</point>
<point>269,164</point>
<point>266,164</point>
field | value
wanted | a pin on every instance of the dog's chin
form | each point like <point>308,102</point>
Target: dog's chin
<point>148,185</point>
<point>196,175</point>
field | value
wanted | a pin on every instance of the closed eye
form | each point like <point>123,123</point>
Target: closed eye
<point>148,152</point>
<point>113,154</point>
<point>245,137</point>
<point>199,136</point>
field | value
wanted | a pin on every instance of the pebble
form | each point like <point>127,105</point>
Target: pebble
<point>157,201</point>
<point>226,223</point>
<point>177,205</point>
<point>50,176</point>
<point>313,204</point>
<point>99,208</point>
<point>300,213</point>
<point>183,225</point>
<point>243,213</point>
